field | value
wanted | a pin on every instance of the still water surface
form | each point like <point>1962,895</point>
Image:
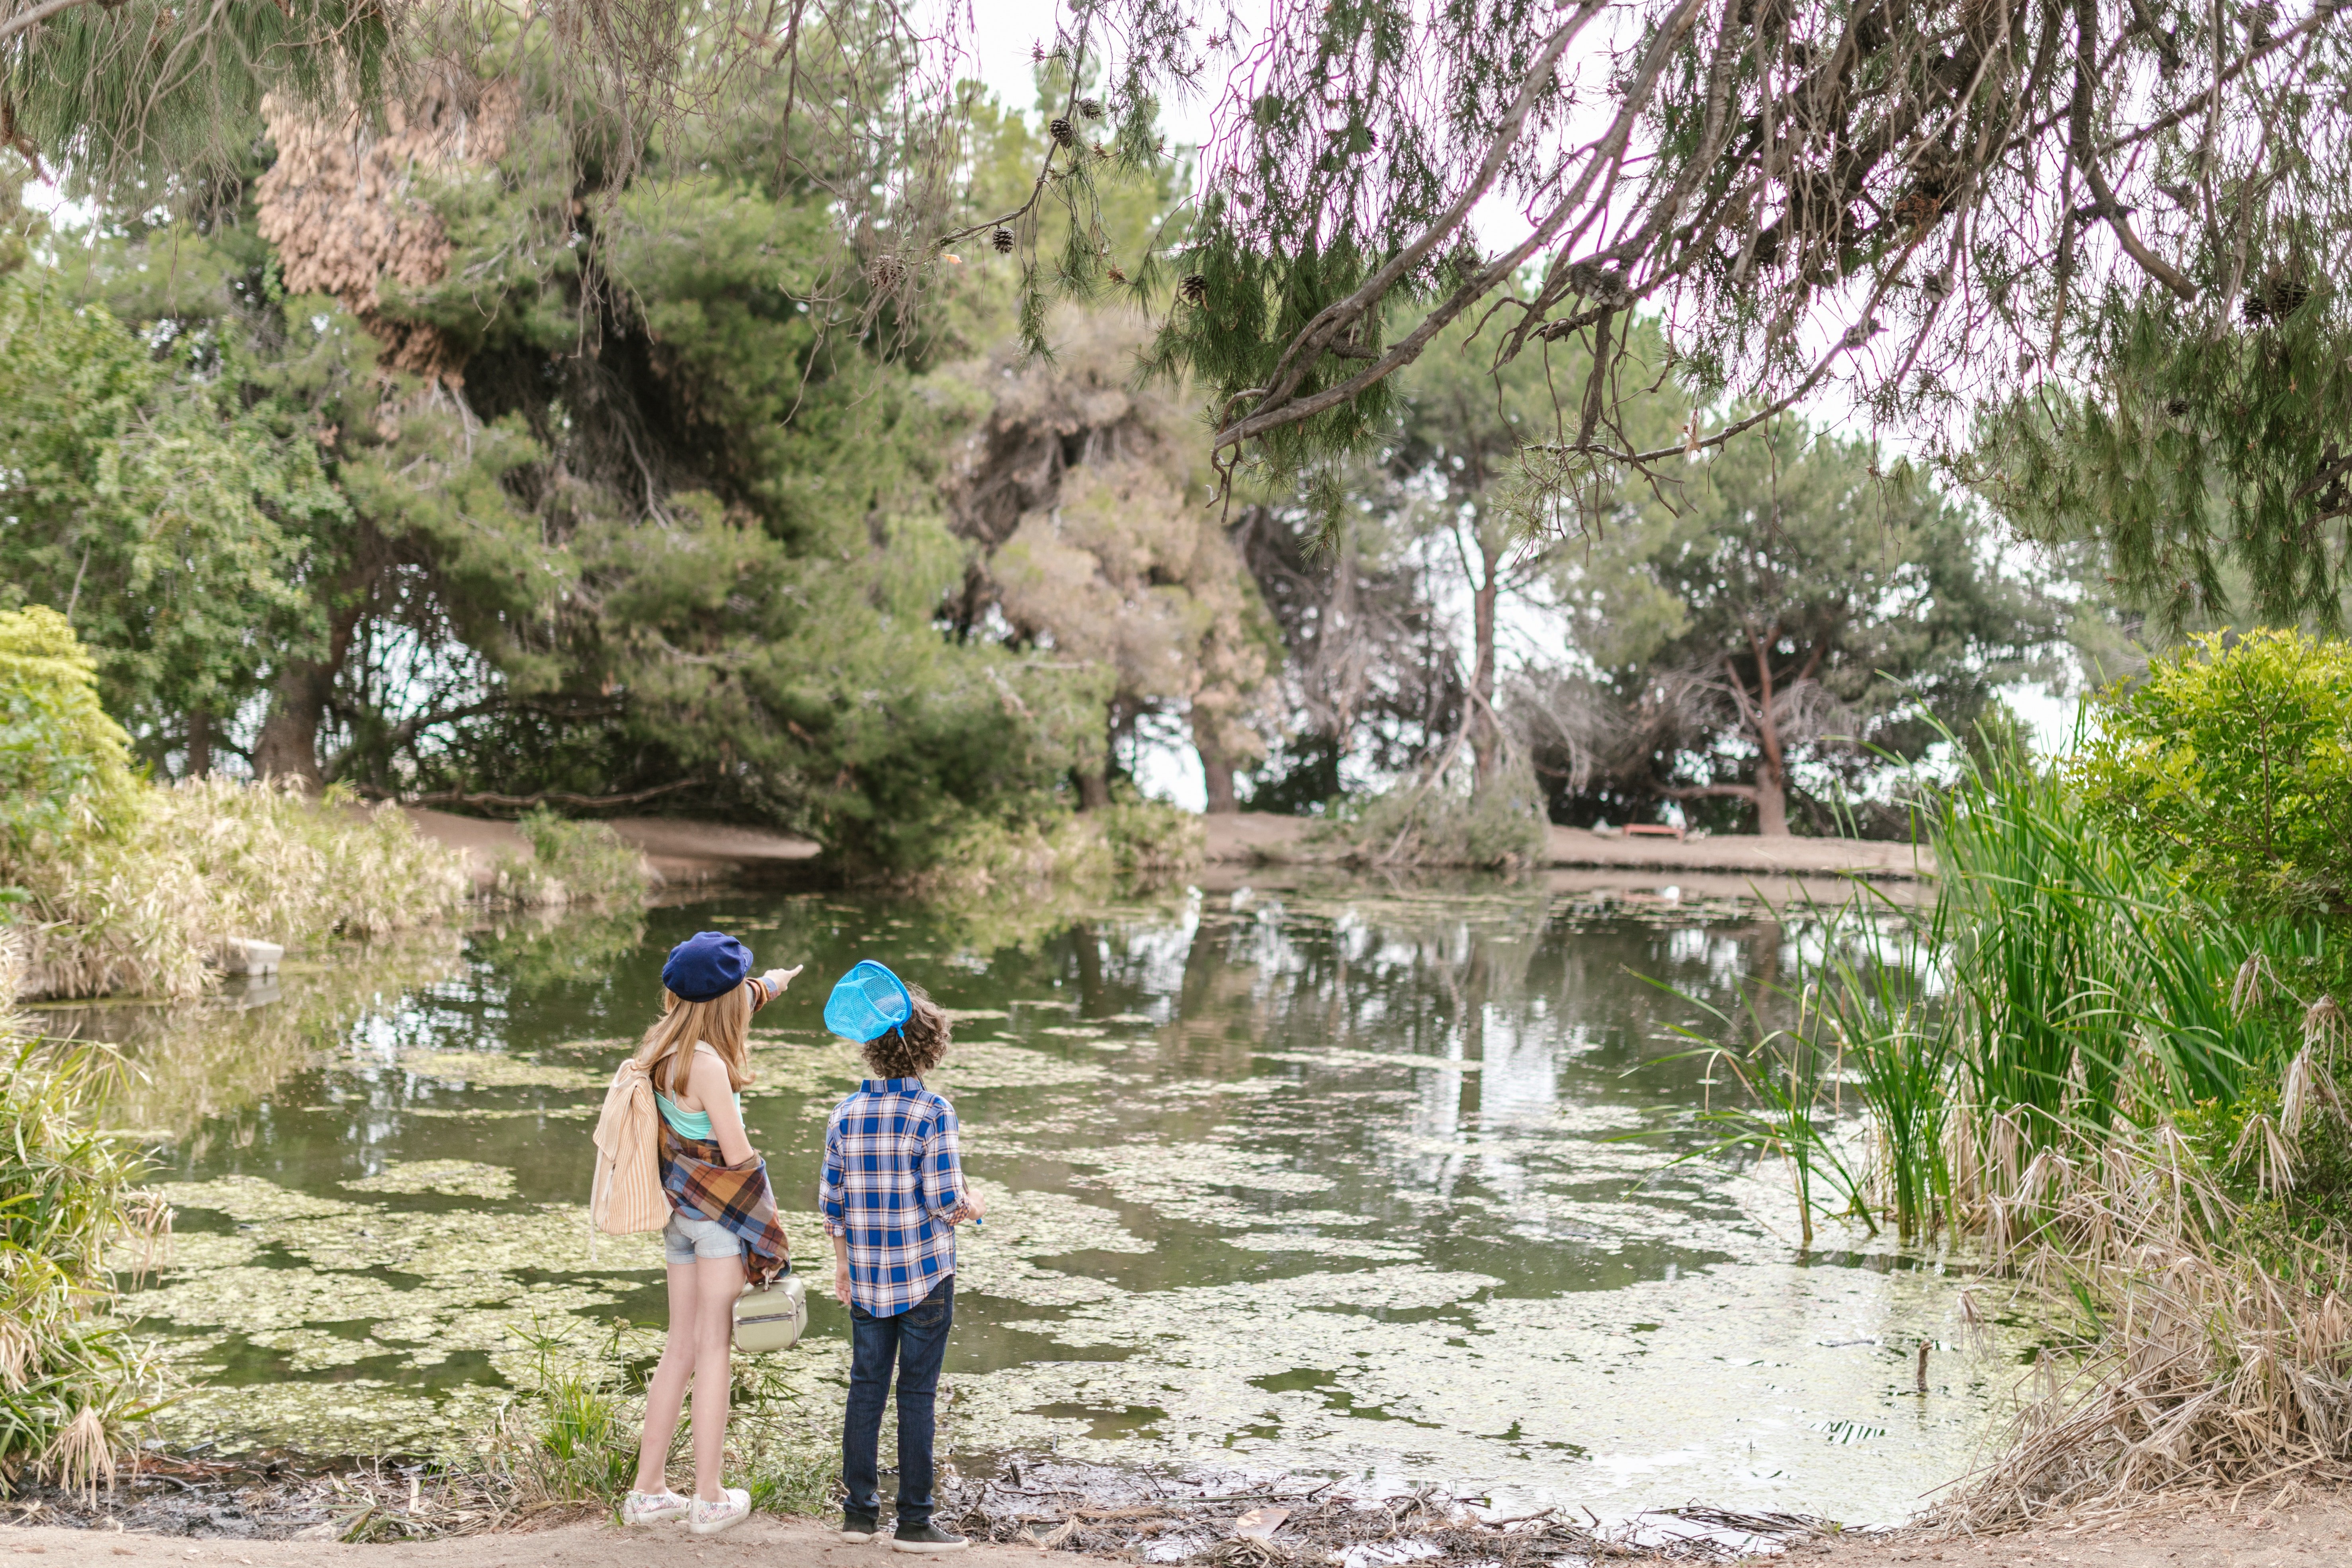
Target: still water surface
<point>1369,1183</point>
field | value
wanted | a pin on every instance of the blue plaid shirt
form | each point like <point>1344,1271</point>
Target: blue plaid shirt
<point>892,1176</point>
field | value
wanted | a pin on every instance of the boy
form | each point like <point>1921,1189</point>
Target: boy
<point>893,1193</point>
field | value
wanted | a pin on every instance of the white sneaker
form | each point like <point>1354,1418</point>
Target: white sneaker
<point>710,1518</point>
<point>652,1507</point>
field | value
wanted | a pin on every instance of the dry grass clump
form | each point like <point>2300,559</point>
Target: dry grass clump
<point>2213,1346</point>
<point>146,907</point>
<point>120,885</point>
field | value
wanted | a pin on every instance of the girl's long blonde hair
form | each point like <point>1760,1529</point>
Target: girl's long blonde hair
<point>723,1023</point>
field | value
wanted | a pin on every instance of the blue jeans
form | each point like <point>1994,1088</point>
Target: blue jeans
<point>917,1338</point>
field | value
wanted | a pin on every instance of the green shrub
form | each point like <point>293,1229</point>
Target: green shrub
<point>571,863</point>
<point>2076,992</point>
<point>1499,825</point>
<point>71,1210</point>
<point>1150,837</point>
<point>2231,764</point>
<point>977,855</point>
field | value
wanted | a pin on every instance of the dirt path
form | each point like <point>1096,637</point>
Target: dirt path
<point>2305,1534</point>
<point>770,1542</point>
<point>2314,1531</point>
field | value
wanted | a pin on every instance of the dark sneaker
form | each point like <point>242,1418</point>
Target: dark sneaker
<point>857,1526</point>
<point>926,1537</point>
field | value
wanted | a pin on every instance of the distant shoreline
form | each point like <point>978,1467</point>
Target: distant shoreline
<point>683,853</point>
<point>1252,837</point>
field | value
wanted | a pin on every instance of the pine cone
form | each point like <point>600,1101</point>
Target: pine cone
<point>1063,132</point>
<point>886,273</point>
<point>1002,240</point>
<point>1193,288</point>
<point>1114,274</point>
<point>1091,108</point>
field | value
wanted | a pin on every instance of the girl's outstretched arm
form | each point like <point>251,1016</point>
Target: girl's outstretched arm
<point>767,987</point>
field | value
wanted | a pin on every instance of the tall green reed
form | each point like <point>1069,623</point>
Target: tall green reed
<point>2058,991</point>
<point>1782,1069</point>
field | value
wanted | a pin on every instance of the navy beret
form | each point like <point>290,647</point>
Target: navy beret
<point>705,966</point>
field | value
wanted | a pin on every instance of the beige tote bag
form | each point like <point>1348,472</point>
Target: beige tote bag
<point>626,1196</point>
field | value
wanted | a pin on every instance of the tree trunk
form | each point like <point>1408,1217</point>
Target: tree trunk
<point>1093,788</point>
<point>1218,774</point>
<point>1772,761</point>
<point>1771,802</point>
<point>200,744</point>
<point>288,746</point>
<point>1486,735</point>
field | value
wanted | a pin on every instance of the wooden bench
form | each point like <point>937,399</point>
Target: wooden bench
<point>1653,830</point>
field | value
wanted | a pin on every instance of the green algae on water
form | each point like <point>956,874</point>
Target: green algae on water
<point>454,1178</point>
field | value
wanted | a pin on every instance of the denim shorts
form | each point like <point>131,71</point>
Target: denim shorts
<point>685,1238</point>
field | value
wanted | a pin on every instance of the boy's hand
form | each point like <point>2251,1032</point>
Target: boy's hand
<point>841,1283</point>
<point>971,1208</point>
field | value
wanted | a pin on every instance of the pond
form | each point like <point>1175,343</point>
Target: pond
<point>1345,1180</point>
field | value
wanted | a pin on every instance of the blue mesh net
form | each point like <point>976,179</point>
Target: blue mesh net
<point>867,1002</point>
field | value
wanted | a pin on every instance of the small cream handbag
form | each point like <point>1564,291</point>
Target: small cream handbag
<point>771,1317</point>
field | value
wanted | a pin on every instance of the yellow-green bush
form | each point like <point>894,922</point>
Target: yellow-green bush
<point>65,773</point>
<point>977,855</point>
<point>146,909</point>
<point>2231,764</point>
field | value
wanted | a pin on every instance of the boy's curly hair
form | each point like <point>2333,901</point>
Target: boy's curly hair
<point>915,1046</point>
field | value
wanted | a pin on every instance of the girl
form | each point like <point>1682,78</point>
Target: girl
<point>723,1224</point>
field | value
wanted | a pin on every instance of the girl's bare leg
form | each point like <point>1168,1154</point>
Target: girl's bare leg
<point>719,1281</point>
<point>667,1393</point>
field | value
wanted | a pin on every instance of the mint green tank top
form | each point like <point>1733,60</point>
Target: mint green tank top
<point>689,1123</point>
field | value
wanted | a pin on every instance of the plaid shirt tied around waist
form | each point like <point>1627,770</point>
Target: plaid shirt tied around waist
<point>893,1172</point>
<point>702,1185</point>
